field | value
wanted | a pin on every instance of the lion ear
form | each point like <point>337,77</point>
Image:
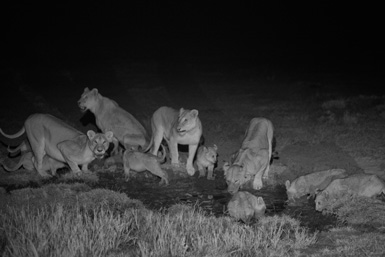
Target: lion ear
<point>287,184</point>
<point>86,90</point>
<point>215,147</point>
<point>109,135</point>
<point>194,113</point>
<point>260,201</point>
<point>226,167</point>
<point>91,134</point>
<point>95,91</point>
<point>181,111</point>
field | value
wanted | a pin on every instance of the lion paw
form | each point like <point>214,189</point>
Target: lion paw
<point>190,170</point>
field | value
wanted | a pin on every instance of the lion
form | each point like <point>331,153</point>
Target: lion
<point>366,185</point>
<point>310,183</point>
<point>244,206</point>
<point>50,136</point>
<point>27,159</point>
<point>181,127</point>
<point>139,161</point>
<point>253,159</point>
<point>206,159</point>
<point>110,116</point>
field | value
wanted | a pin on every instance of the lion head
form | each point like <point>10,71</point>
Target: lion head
<point>99,142</point>
<point>235,176</point>
<point>209,154</point>
<point>187,120</point>
<point>88,100</point>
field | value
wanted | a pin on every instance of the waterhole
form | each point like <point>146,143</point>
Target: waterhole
<point>212,197</point>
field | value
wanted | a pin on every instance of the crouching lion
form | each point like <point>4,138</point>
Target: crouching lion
<point>139,161</point>
<point>49,136</point>
<point>244,206</point>
<point>311,183</point>
<point>253,159</point>
<point>361,185</point>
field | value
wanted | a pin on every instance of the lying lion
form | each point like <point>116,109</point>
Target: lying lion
<point>252,161</point>
<point>366,185</point>
<point>311,183</point>
<point>49,136</point>
<point>110,116</point>
<point>244,206</point>
<point>139,161</point>
<point>26,161</point>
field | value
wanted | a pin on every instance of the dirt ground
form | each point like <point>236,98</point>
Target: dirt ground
<point>308,136</point>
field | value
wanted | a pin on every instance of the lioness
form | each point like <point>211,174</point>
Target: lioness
<point>366,185</point>
<point>138,161</point>
<point>244,206</point>
<point>110,116</point>
<point>27,159</point>
<point>47,135</point>
<point>176,127</point>
<point>310,183</point>
<point>253,159</point>
<point>206,159</point>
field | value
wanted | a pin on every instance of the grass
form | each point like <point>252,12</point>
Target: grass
<point>95,227</point>
<point>74,220</point>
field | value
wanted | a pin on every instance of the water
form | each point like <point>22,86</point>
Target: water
<point>212,197</point>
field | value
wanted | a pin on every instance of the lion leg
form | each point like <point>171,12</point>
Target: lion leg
<point>115,150</point>
<point>266,173</point>
<point>65,149</point>
<point>191,154</point>
<point>157,171</point>
<point>210,170</point>
<point>202,170</point>
<point>257,182</point>
<point>173,146</point>
<point>38,149</point>
<point>158,137</point>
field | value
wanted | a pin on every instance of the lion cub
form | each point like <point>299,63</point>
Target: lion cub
<point>139,161</point>
<point>244,206</point>
<point>206,159</point>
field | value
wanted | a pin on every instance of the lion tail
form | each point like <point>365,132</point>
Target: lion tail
<point>6,163</point>
<point>148,147</point>
<point>23,147</point>
<point>163,157</point>
<point>18,134</point>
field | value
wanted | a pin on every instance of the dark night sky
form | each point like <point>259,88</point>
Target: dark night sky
<point>313,31</point>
